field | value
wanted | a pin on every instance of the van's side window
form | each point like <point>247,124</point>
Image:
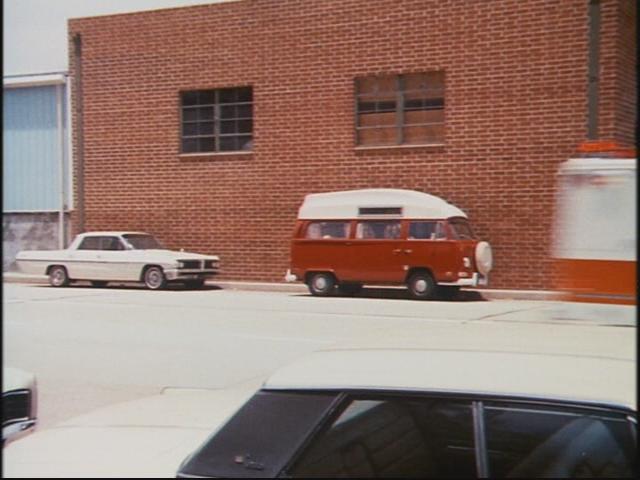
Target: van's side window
<point>385,229</point>
<point>426,231</point>
<point>316,230</point>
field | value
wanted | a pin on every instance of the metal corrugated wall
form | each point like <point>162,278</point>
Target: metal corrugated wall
<point>31,163</point>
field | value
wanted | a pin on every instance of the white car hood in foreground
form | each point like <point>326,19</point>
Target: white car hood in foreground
<point>144,438</point>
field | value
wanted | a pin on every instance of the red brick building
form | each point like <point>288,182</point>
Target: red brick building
<point>208,125</point>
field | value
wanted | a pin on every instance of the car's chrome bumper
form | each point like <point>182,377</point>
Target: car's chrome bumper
<point>188,274</point>
<point>16,430</point>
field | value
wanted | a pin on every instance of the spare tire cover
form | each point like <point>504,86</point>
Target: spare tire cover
<point>484,257</point>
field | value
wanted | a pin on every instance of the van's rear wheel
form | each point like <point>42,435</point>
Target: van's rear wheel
<point>321,284</point>
<point>421,285</point>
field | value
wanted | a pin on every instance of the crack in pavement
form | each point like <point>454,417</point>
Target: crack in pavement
<point>500,314</point>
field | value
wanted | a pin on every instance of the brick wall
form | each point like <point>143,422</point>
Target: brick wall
<point>516,106</point>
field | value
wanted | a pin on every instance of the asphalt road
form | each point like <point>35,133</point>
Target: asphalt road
<point>91,347</point>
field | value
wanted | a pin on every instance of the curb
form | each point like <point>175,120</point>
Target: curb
<point>487,294</point>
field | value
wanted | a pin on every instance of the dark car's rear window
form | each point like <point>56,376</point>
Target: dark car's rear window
<point>262,436</point>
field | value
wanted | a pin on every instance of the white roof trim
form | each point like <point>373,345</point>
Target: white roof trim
<point>346,204</point>
<point>36,80</point>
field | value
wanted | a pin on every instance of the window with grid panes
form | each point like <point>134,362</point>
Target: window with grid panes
<point>216,120</point>
<point>403,109</point>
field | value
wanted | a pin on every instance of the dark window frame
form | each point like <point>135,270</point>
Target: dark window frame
<point>399,106</point>
<point>213,138</point>
<point>342,398</point>
<point>478,403</point>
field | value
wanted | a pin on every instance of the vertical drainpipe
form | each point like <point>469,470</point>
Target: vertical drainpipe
<point>594,69</point>
<point>68,186</point>
<point>61,156</point>
<point>77,43</point>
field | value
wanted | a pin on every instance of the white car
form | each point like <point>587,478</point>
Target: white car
<point>19,403</point>
<point>465,401</point>
<point>102,257</point>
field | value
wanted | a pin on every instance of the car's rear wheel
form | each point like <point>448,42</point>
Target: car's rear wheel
<point>350,288</point>
<point>321,284</point>
<point>154,278</point>
<point>58,276</point>
<point>421,285</point>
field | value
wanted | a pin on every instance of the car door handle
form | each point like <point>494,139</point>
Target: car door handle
<point>408,251</point>
<point>396,251</point>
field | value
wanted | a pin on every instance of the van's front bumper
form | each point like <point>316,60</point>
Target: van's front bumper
<point>475,281</point>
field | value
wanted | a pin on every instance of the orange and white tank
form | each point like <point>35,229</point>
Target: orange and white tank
<point>594,244</point>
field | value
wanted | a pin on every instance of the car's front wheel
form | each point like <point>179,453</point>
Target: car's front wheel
<point>58,276</point>
<point>421,285</point>
<point>154,278</point>
<point>321,284</point>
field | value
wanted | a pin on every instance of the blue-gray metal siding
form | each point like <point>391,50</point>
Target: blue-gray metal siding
<point>31,151</point>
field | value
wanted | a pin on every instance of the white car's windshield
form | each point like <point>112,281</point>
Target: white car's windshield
<point>142,242</point>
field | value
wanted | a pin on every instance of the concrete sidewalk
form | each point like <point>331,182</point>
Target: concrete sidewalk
<point>487,293</point>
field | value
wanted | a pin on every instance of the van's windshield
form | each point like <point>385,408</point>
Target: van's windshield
<point>461,229</point>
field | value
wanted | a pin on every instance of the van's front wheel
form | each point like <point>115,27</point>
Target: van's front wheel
<point>321,284</point>
<point>421,285</point>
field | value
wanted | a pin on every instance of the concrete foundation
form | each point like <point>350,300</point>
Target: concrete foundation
<point>30,231</point>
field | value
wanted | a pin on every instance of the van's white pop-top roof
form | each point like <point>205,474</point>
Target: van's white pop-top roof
<point>347,204</point>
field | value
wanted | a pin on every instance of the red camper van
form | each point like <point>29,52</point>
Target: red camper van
<point>386,236</point>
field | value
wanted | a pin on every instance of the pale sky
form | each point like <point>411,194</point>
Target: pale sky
<point>35,31</point>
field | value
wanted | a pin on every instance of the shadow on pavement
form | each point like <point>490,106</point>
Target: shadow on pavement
<point>403,294</point>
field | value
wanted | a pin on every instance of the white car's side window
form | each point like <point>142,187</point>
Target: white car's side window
<point>90,243</point>
<point>111,243</point>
